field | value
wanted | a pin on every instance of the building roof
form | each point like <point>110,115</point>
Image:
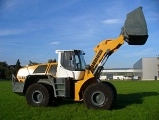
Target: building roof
<point>117,68</point>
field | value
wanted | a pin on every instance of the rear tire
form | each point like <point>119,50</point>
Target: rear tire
<point>37,95</point>
<point>98,96</point>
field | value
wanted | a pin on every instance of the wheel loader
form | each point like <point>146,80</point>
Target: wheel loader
<point>69,77</point>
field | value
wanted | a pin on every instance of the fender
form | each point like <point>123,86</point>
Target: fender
<point>45,79</point>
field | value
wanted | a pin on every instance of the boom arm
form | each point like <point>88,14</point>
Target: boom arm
<point>134,32</point>
<point>102,51</point>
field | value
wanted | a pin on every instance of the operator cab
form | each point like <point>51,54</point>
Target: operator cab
<point>71,64</point>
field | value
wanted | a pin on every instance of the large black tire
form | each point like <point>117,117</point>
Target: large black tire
<point>98,96</point>
<point>113,88</point>
<point>37,95</point>
<point>51,93</point>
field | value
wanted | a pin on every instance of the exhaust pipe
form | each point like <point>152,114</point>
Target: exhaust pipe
<point>135,28</point>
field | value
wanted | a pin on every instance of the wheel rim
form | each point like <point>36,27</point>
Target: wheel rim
<point>37,96</point>
<point>98,98</point>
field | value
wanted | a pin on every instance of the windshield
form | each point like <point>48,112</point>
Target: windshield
<point>73,60</point>
<point>80,62</point>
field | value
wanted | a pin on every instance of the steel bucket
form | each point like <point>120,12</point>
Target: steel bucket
<point>135,28</point>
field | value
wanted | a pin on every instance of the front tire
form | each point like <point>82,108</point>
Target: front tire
<point>37,95</point>
<point>113,89</point>
<point>98,96</point>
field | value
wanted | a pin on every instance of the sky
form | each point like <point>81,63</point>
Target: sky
<point>34,29</point>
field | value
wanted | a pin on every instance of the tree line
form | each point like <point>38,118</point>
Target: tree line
<point>6,70</point>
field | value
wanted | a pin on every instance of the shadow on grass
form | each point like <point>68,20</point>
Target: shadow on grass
<point>124,100</point>
<point>60,102</point>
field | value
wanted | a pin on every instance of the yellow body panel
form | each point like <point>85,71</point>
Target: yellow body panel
<point>78,84</point>
<point>25,71</point>
<point>104,47</point>
<point>28,70</point>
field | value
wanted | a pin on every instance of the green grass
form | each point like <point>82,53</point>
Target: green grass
<point>137,100</point>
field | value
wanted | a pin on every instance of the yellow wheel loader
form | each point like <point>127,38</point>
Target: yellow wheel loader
<point>69,77</point>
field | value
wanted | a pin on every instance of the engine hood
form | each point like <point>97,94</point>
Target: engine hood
<point>25,71</point>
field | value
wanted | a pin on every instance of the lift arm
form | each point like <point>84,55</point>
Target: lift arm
<point>102,51</point>
<point>134,32</point>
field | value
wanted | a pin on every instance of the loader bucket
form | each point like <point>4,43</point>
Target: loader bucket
<point>135,28</point>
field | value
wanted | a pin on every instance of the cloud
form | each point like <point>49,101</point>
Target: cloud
<point>112,21</point>
<point>55,43</point>
<point>153,17</point>
<point>4,32</point>
<point>148,51</point>
<point>12,31</point>
<point>8,4</point>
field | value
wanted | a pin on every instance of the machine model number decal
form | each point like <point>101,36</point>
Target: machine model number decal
<point>97,57</point>
<point>21,77</point>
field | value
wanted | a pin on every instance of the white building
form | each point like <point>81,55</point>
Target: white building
<point>147,68</point>
<point>117,73</point>
<point>143,69</point>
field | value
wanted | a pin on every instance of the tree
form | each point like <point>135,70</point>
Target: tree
<point>51,60</point>
<point>2,74</point>
<point>3,70</point>
<point>17,67</point>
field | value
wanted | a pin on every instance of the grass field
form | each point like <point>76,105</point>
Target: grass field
<point>137,100</point>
